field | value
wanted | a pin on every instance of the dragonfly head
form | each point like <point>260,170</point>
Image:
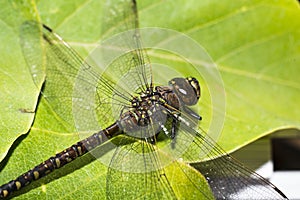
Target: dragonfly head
<point>187,90</point>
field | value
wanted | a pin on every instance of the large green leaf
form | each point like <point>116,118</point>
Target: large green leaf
<point>254,43</point>
<point>256,47</point>
<point>18,94</point>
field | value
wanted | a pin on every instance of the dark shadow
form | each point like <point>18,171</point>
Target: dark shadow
<point>15,144</point>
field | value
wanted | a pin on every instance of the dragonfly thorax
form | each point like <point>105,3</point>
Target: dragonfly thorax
<point>145,113</point>
<point>150,110</point>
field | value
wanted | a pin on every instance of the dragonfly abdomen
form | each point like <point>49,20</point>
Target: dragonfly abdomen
<point>59,160</point>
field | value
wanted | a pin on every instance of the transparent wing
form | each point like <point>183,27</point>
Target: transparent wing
<point>121,16</point>
<point>92,96</point>
<point>68,78</point>
<point>227,178</point>
<point>128,176</point>
<point>137,172</point>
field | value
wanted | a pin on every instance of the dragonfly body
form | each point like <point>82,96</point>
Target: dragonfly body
<point>145,111</point>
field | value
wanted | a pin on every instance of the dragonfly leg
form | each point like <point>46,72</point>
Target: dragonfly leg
<point>173,128</point>
<point>192,113</point>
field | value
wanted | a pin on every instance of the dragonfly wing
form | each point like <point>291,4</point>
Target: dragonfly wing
<point>71,86</point>
<point>121,33</point>
<point>137,171</point>
<point>227,177</point>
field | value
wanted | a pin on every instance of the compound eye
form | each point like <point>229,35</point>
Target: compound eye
<point>187,90</point>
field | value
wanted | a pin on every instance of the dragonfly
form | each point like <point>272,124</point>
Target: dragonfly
<point>150,126</point>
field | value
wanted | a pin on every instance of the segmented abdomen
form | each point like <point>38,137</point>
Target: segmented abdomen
<point>59,160</point>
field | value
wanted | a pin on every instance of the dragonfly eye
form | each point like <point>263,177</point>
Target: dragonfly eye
<point>187,90</point>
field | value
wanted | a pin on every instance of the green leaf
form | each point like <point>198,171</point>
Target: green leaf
<point>254,43</point>
<point>256,47</point>
<point>18,94</point>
